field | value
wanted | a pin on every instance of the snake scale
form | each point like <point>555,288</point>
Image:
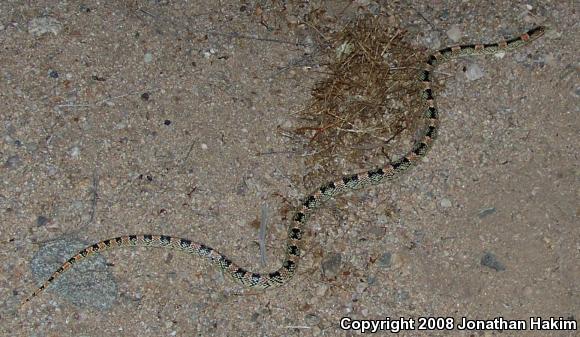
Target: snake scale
<point>327,191</point>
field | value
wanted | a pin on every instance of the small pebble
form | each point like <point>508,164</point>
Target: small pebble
<point>13,162</point>
<point>501,54</point>
<point>361,287</point>
<point>51,170</point>
<point>209,52</point>
<point>287,124</point>
<point>41,220</point>
<point>321,290</point>
<point>317,331</point>
<point>148,58</point>
<point>399,260</point>
<point>242,187</point>
<point>454,33</point>
<point>53,74</point>
<point>485,212</point>
<point>44,25</point>
<point>331,265</point>
<point>196,309</point>
<point>292,20</point>
<point>434,40</point>
<point>402,295</point>
<point>385,260</point>
<point>374,8</point>
<point>550,59</point>
<point>204,146</point>
<point>311,319</point>
<point>473,72</point>
<point>445,203</point>
<point>74,152</point>
<point>489,260</point>
<point>362,3</point>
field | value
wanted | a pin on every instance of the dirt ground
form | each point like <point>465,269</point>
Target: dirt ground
<point>173,117</point>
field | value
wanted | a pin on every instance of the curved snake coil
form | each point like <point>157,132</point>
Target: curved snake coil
<point>327,191</point>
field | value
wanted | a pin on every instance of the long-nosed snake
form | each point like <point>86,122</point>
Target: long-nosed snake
<point>329,190</point>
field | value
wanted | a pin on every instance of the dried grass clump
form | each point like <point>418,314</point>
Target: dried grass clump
<point>371,97</point>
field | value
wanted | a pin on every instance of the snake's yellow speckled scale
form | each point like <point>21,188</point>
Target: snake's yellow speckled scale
<point>312,202</point>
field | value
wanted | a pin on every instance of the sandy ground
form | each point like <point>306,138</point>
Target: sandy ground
<point>165,117</point>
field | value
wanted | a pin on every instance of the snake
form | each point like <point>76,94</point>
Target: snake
<point>332,189</point>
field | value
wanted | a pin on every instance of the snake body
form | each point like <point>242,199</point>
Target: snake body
<point>294,244</point>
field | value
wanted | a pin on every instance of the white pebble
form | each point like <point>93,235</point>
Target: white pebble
<point>433,40</point>
<point>473,72</point>
<point>287,124</point>
<point>551,60</point>
<point>445,203</point>
<point>500,55</point>
<point>75,152</point>
<point>454,33</point>
<point>148,58</point>
<point>43,25</point>
<point>362,3</point>
<point>204,146</point>
<point>209,53</point>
